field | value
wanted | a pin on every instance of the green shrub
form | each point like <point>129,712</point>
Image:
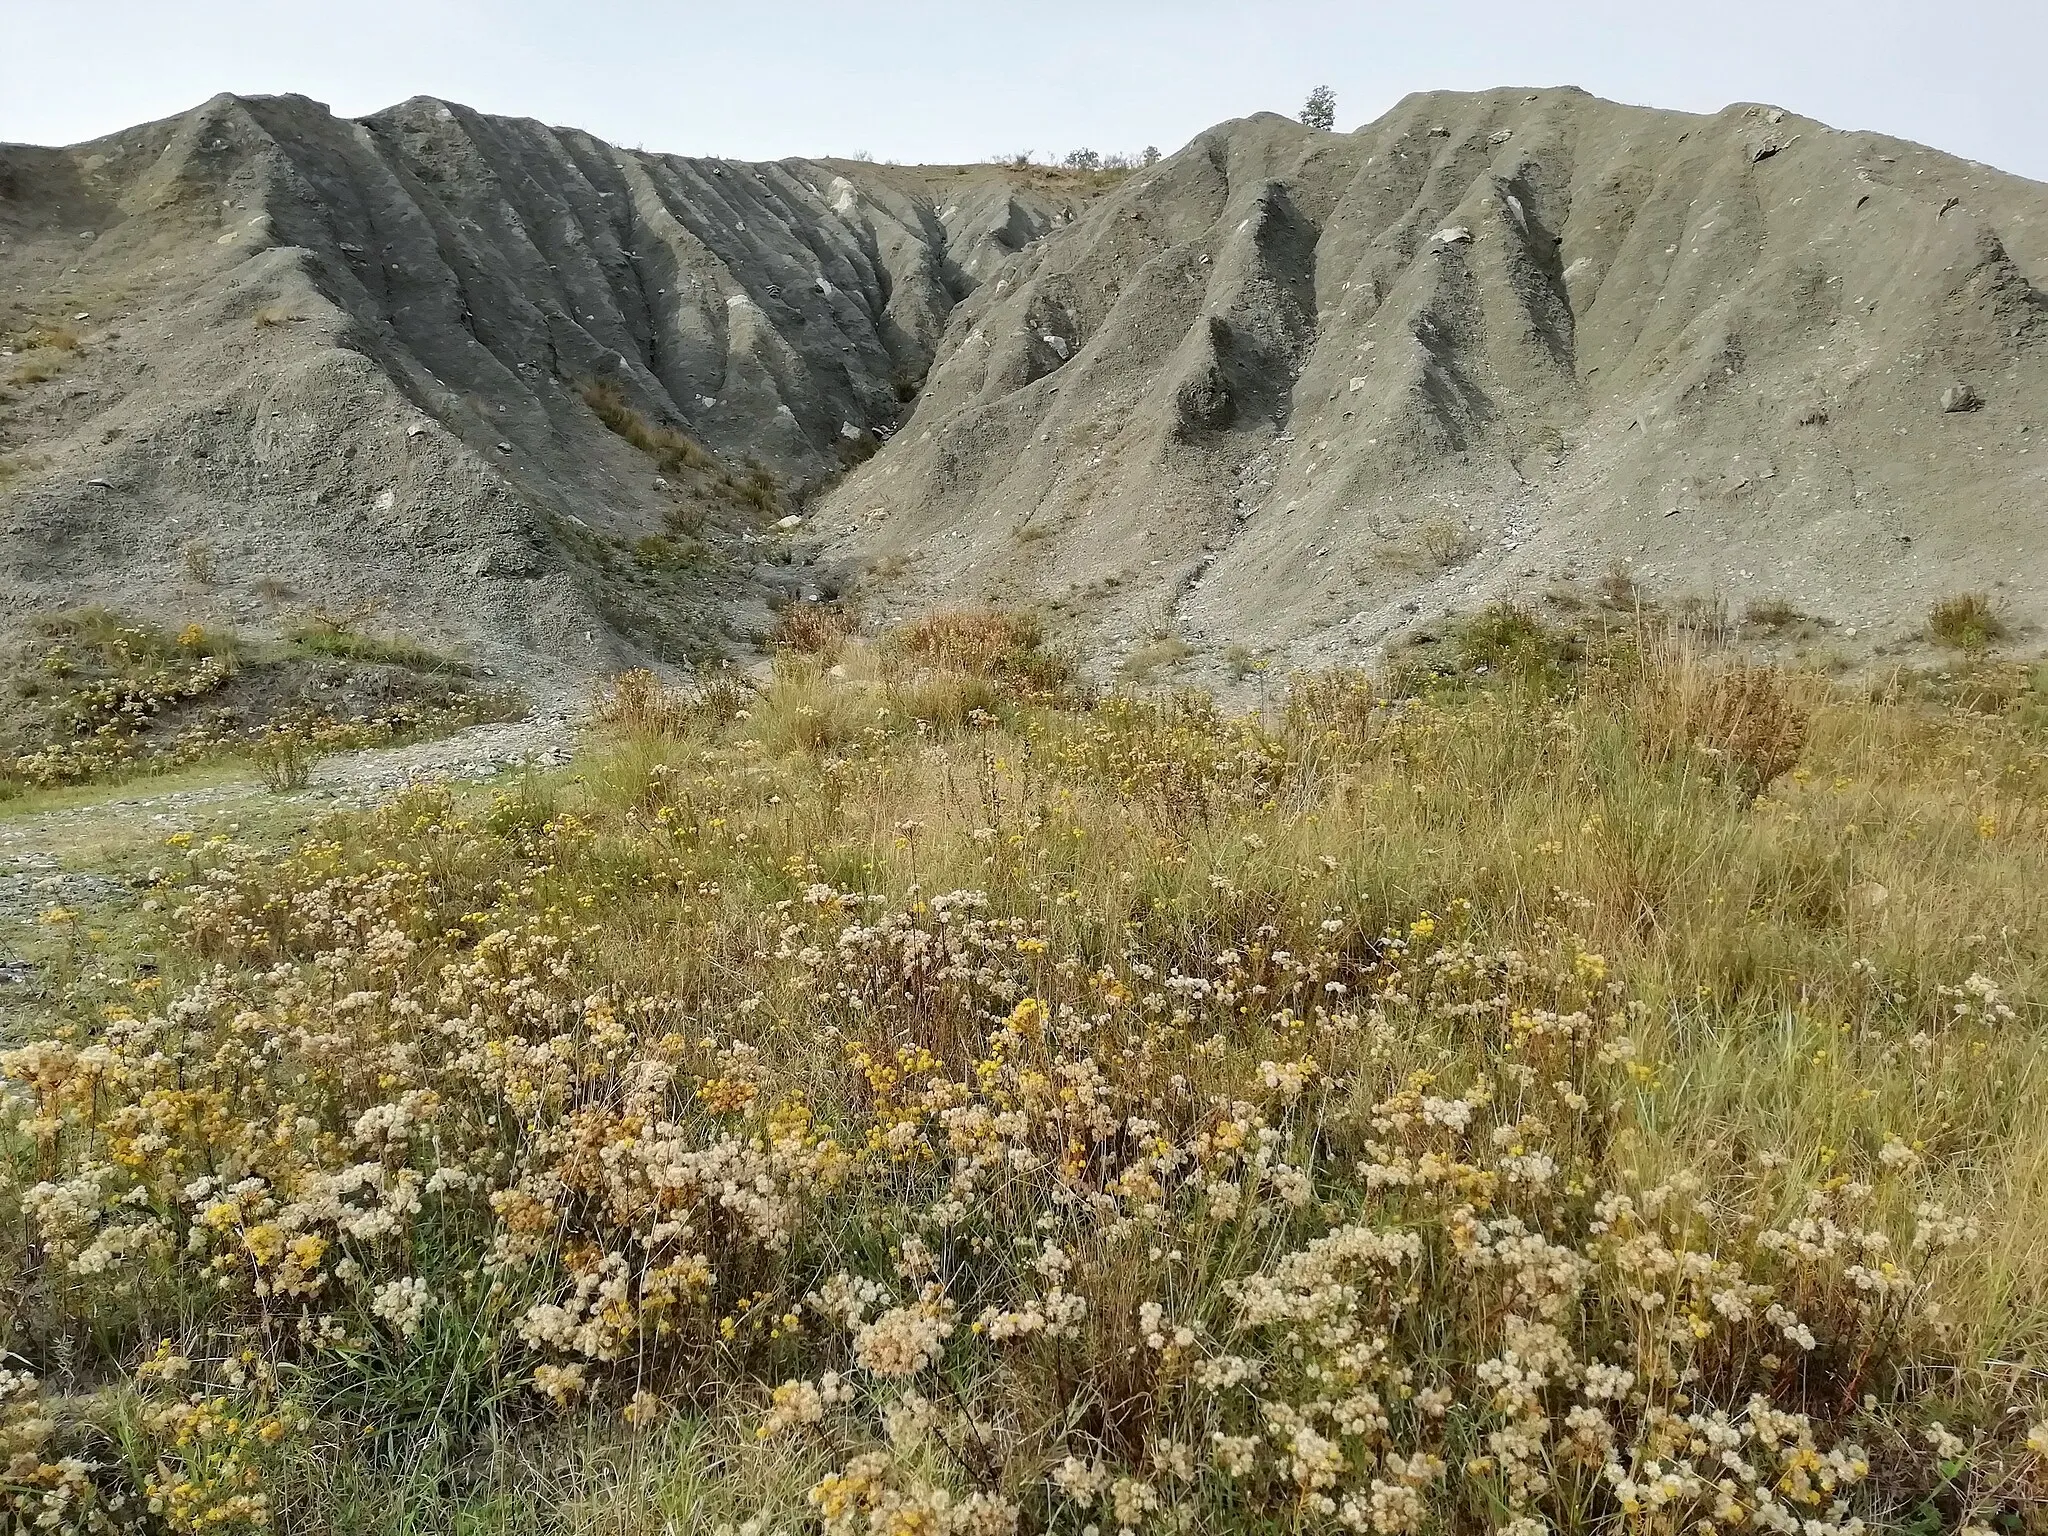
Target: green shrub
<point>1966,622</point>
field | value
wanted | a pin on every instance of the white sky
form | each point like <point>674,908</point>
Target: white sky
<point>964,81</point>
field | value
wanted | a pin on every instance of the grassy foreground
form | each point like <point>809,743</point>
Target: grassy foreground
<point>1604,1094</point>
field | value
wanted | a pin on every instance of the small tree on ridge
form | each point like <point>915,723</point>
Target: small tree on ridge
<point>1320,110</point>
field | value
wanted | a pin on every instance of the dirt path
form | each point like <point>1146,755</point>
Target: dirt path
<point>36,849</point>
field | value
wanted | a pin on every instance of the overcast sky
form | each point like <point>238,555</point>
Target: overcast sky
<point>969,80</point>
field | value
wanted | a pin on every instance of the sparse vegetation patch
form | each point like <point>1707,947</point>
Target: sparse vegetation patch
<point>1965,622</point>
<point>95,696</point>
<point>326,635</point>
<point>670,449</point>
<point>815,629</point>
<point>1771,615</point>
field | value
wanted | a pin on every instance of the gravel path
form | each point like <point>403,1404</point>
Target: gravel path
<point>32,879</point>
<point>481,752</point>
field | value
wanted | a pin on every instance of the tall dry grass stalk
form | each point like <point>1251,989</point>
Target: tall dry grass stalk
<point>639,700</point>
<point>814,629</point>
<point>1741,723</point>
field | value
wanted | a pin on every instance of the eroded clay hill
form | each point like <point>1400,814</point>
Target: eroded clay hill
<point>261,357</point>
<point>1283,390</point>
<point>1311,390</point>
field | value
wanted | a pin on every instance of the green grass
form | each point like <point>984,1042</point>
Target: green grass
<point>669,552</point>
<point>72,797</point>
<point>328,639</point>
<point>1771,614</point>
<point>94,696</point>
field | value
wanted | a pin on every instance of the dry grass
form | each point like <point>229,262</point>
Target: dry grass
<point>1460,1108</point>
<point>985,643</point>
<point>1445,543</point>
<point>1161,653</point>
<point>196,555</point>
<point>758,488</point>
<point>45,348</point>
<point>852,452</point>
<point>1619,589</point>
<point>814,629</point>
<point>1343,701</point>
<point>639,704</point>
<point>639,701</point>
<point>1743,725</point>
<point>284,756</point>
<point>671,450</point>
<point>884,569</point>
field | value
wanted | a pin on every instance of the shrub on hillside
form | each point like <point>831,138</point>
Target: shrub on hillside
<point>1965,622</point>
<point>983,642</point>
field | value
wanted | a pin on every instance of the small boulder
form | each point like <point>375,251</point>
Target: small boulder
<point>1961,397</point>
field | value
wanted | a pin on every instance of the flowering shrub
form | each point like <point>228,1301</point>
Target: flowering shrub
<point>1152,1180</point>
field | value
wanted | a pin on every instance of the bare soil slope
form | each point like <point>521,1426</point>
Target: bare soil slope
<point>1284,390</point>
<point>1309,390</point>
<point>262,356</point>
